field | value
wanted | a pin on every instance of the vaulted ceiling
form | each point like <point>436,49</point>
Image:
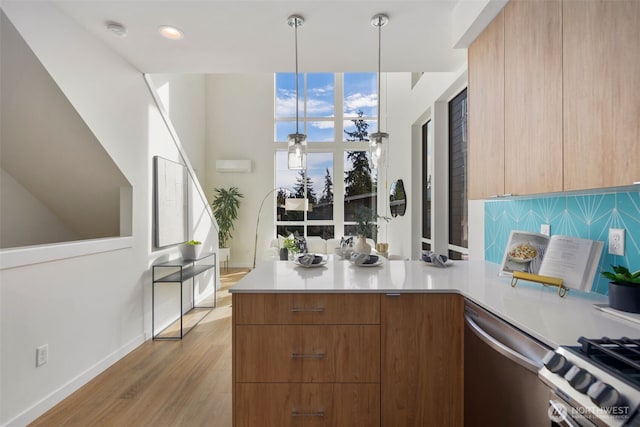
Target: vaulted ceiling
<point>239,36</point>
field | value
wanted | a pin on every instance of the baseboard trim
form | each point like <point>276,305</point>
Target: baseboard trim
<point>58,395</point>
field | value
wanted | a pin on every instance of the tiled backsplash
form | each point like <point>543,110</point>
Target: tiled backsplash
<point>586,216</point>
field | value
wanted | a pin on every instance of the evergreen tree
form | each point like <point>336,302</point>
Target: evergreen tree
<point>358,180</point>
<point>327,192</point>
<point>298,189</point>
<point>361,133</point>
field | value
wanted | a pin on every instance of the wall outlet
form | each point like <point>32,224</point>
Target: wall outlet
<point>545,229</point>
<point>616,241</point>
<point>42,355</point>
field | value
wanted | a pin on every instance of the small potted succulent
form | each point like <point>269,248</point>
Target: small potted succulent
<point>624,289</point>
<point>191,249</point>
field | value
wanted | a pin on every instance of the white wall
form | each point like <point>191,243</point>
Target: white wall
<point>89,301</point>
<point>240,111</point>
<point>408,109</point>
<point>41,225</point>
<point>47,148</point>
<point>184,99</point>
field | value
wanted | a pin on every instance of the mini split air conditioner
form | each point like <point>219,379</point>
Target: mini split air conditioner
<point>241,166</point>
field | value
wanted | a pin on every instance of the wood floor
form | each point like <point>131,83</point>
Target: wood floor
<point>162,383</point>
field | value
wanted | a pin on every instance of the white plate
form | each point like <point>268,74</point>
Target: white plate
<point>375,264</point>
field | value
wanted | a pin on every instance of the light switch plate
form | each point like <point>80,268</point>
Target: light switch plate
<point>616,241</point>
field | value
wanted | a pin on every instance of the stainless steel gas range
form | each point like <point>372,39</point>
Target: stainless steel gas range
<point>594,383</point>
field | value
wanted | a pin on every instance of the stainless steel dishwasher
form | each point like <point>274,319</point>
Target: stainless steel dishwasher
<point>501,363</point>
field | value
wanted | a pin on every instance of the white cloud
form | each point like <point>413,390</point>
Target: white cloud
<point>318,107</point>
<point>321,125</point>
<point>358,101</point>
<point>321,90</point>
<point>286,105</point>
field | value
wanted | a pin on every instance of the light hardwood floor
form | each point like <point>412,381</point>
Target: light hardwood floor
<point>162,383</point>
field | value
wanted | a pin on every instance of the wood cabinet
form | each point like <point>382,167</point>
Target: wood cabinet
<point>308,353</point>
<point>486,112</point>
<point>422,380</point>
<point>515,102</point>
<point>601,79</point>
<point>305,308</point>
<point>533,97</point>
<point>306,359</point>
<point>300,404</point>
<point>347,359</point>
<point>555,86</point>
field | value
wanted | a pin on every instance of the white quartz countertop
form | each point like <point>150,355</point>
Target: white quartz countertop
<point>533,308</point>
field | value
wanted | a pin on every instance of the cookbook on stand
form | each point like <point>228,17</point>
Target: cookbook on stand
<point>572,259</point>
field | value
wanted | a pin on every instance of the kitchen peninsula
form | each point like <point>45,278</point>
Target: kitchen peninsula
<point>347,345</point>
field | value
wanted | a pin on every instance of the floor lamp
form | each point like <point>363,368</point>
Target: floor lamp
<point>291,204</point>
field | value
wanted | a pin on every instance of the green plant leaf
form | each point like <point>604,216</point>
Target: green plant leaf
<point>225,206</point>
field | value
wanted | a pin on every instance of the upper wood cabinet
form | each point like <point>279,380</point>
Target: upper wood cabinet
<point>601,79</point>
<point>569,117</point>
<point>486,112</point>
<point>515,102</point>
<point>533,97</point>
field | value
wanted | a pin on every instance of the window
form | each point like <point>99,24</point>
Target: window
<point>458,220</point>
<point>427,173</point>
<point>316,107</point>
<point>337,112</point>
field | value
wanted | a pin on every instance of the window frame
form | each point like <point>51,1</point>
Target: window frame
<point>338,147</point>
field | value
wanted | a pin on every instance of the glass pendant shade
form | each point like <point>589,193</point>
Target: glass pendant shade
<point>376,145</point>
<point>297,150</point>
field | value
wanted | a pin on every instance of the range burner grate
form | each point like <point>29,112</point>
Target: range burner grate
<point>622,356</point>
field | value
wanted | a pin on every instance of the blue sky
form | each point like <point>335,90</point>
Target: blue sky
<point>360,93</point>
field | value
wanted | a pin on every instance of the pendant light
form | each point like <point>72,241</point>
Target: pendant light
<point>378,139</point>
<point>297,148</point>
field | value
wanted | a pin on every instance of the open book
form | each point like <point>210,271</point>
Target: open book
<point>571,259</point>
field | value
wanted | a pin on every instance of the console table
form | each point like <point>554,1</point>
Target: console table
<point>178,272</point>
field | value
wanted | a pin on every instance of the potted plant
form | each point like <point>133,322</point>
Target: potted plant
<point>225,206</point>
<point>624,289</point>
<point>367,227</point>
<point>291,245</point>
<point>191,249</point>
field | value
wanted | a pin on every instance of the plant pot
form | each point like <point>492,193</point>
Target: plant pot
<point>624,297</point>
<point>284,254</point>
<point>191,252</point>
<point>361,246</point>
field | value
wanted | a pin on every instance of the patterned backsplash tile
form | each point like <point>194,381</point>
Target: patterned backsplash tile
<point>587,216</point>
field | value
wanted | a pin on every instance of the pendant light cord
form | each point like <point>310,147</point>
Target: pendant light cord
<point>379,64</point>
<point>297,97</point>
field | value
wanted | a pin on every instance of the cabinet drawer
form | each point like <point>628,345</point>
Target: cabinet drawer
<point>281,405</point>
<point>348,309</point>
<point>307,353</point>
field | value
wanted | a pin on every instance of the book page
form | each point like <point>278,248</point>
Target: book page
<point>524,252</point>
<point>570,259</point>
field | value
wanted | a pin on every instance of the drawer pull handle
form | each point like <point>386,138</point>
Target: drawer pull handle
<point>307,356</point>
<point>307,414</point>
<point>307,310</point>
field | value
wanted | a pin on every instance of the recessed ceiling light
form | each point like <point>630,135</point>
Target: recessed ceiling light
<point>170,32</point>
<point>117,28</point>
